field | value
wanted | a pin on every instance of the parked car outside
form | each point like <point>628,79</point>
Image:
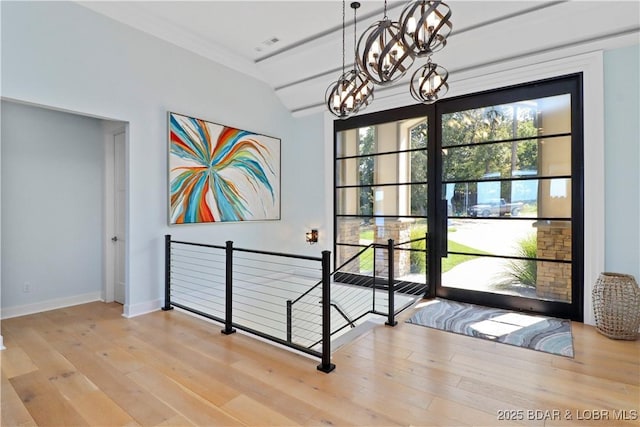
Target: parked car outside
<point>495,207</point>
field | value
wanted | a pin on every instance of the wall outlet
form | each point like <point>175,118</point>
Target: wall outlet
<point>26,287</point>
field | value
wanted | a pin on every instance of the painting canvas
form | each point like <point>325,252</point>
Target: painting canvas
<point>219,173</point>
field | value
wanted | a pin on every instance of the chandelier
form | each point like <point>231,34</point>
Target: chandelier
<point>381,51</point>
<point>429,83</point>
<point>426,26</point>
<point>385,52</point>
<point>353,90</point>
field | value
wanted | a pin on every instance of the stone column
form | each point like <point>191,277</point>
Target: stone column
<point>399,231</point>
<point>348,232</point>
<point>554,278</point>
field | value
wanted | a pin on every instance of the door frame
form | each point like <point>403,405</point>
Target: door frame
<point>437,217</point>
<point>572,84</point>
<point>111,129</point>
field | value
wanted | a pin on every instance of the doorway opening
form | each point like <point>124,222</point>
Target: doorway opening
<point>115,226</point>
<point>53,207</point>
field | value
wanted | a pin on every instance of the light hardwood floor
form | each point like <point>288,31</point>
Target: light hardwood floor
<point>87,365</point>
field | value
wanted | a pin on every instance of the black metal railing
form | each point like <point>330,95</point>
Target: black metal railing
<point>290,299</point>
<point>249,290</point>
<point>359,288</point>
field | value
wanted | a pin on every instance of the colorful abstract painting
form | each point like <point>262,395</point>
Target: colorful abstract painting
<point>219,173</point>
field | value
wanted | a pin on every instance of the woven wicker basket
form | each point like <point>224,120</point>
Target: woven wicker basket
<point>616,303</point>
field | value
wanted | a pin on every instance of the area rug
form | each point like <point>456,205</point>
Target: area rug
<point>540,333</point>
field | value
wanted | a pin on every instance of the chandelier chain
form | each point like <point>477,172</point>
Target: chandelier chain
<point>355,63</point>
<point>343,33</point>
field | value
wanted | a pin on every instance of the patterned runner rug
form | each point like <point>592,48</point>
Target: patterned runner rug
<point>535,332</point>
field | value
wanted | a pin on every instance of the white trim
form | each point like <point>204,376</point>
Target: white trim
<point>111,129</point>
<point>52,304</point>
<point>512,73</point>
<point>594,198</point>
<point>2,347</point>
<point>108,261</point>
<point>134,310</point>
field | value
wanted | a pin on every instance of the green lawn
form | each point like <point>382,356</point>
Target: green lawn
<point>452,260</point>
<point>447,263</point>
<point>366,235</point>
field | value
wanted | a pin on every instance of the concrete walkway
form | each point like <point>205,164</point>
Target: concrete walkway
<point>499,237</point>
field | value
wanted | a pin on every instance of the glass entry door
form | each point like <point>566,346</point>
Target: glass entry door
<point>509,176</point>
<point>495,181</point>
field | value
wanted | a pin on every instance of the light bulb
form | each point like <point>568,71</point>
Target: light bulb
<point>432,21</point>
<point>411,25</point>
<point>375,48</point>
<point>421,33</point>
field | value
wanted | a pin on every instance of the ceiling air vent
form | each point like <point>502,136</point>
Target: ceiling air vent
<point>267,43</point>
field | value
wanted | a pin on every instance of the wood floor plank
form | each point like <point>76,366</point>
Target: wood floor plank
<point>98,409</point>
<point>44,403</point>
<point>186,403</point>
<point>173,366</point>
<point>254,413</point>
<point>553,381</point>
<point>315,395</point>
<point>141,405</point>
<point>175,421</point>
<point>195,370</point>
<point>15,362</point>
<point>12,411</point>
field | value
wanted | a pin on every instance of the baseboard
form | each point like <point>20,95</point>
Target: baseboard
<point>133,310</point>
<point>52,304</point>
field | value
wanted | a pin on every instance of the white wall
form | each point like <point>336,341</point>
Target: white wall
<point>622,160</point>
<point>52,206</point>
<point>62,55</point>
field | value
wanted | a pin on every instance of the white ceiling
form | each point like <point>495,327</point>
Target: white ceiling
<point>308,54</point>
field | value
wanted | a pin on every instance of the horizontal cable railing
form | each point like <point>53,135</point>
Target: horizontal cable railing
<point>363,285</point>
<point>249,289</point>
<point>415,248</point>
<point>286,298</point>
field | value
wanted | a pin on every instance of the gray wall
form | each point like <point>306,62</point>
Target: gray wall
<point>622,160</point>
<point>52,204</point>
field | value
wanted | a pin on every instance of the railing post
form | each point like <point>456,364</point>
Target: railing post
<point>391,319</point>
<point>326,365</point>
<point>289,314</point>
<point>373,277</point>
<point>228,294</point>
<point>167,273</point>
<point>431,290</point>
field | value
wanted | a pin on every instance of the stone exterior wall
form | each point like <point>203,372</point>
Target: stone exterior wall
<point>348,232</point>
<point>399,231</point>
<point>554,242</point>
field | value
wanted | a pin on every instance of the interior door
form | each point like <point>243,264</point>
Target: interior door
<point>119,217</point>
